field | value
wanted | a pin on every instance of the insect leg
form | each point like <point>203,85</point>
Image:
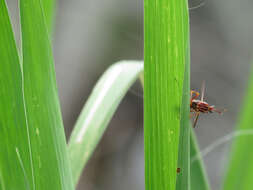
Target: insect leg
<point>192,114</point>
<point>196,119</point>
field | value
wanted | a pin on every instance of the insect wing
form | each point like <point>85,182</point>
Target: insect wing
<point>203,88</point>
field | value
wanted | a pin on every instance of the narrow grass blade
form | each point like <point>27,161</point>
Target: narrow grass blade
<point>165,53</point>
<point>15,167</point>
<point>98,111</point>
<point>49,13</point>
<point>240,169</point>
<point>199,179</point>
<point>183,177</point>
<point>47,144</point>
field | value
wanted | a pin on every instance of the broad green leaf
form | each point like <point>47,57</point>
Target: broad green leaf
<point>166,41</point>
<point>15,159</point>
<point>98,111</point>
<point>50,165</point>
<point>240,169</point>
<point>199,179</point>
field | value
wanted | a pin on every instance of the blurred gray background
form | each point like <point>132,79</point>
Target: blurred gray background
<point>90,35</point>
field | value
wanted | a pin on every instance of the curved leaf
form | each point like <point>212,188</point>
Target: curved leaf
<point>98,111</point>
<point>240,169</point>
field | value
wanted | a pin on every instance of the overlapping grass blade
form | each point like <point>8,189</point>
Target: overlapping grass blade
<point>183,177</point>
<point>165,52</point>
<point>240,169</point>
<point>15,162</point>
<point>47,145</point>
<point>49,13</point>
<point>98,111</point>
<point>199,179</point>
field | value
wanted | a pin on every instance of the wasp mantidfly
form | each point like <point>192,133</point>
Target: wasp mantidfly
<point>200,106</point>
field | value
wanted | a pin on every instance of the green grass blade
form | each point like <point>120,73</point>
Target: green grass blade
<point>165,53</point>
<point>199,179</point>
<point>47,144</point>
<point>15,168</point>
<point>183,178</point>
<point>49,13</point>
<point>240,170</point>
<point>98,111</point>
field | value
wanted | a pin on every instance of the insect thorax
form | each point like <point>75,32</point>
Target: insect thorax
<point>200,106</point>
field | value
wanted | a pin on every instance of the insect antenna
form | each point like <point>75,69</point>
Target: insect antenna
<point>220,111</point>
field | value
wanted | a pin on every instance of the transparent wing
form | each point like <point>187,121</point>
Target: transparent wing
<point>203,88</point>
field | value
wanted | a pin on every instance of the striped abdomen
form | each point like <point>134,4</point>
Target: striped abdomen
<point>200,106</point>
